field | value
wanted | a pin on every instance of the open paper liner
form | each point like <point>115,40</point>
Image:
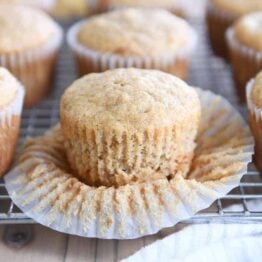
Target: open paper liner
<point>255,120</point>
<point>9,128</point>
<point>34,67</point>
<point>246,62</point>
<point>218,22</point>
<point>90,60</point>
<point>43,188</point>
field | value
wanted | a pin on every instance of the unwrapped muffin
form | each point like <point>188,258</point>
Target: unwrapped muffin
<point>220,16</point>
<point>245,45</point>
<point>11,103</point>
<point>29,43</point>
<point>143,38</point>
<point>254,100</point>
<point>129,125</point>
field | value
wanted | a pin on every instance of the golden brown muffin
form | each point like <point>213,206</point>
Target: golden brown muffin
<point>244,39</point>
<point>11,102</point>
<point>221,15</point>
<point>29,42</point>
<point>153,39</point>
<point>129,125</point>
<point>43,4</point>
<point>178,7</point>
<point>254,101</point>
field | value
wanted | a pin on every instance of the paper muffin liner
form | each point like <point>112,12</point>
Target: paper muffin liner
<point>246,63</point>
<point>9,129</point>
<point>180,8</point>
<point>255,121</point>
<point>89,60</point>
<point>217,23</point>
<point>43,188</point>
<point>34,67</point>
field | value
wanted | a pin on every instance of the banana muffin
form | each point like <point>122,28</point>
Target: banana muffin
<point>29,43</point>
<point>244,40</point>
<point>129,125</point>
<point>11,103</point>
<point>143,38</point>
<point>220,16</point>
<point>254,101</point>
<point>178,7</point>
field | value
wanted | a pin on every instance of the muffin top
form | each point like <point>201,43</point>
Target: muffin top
<point>144,3</point>
<point>248,30</point>
<point>238,8</point>
<point>130,100</point>
<point>23,28</point>
<point>135,32</point>
<point>8,88</point>
<point>256,94</point>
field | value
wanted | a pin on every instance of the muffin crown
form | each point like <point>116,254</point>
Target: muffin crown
<point>238,8</point>
<point>248,30</point>
<point>129,100</point>
<point>23,28</point>
<point>144,3</point>
<point>8,88</point>
<point>257,91</point>
<point>135,32</point>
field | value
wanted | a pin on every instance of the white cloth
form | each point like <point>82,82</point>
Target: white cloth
<point>206,242</point>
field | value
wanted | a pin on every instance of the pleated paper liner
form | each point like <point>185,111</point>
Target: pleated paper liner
<point>43,188</point>
<point>255,120</point>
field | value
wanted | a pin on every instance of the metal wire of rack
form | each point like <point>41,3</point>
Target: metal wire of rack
<point>207,72</point>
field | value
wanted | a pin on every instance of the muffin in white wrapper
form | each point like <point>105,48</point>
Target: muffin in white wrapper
<point>89,60</point>
<point>255,121</point>
<point>10,116</point>
<point>43,188</point>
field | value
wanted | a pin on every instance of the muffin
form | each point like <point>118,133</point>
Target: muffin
<point>178,7</point>
<point>129,125</point>
<point>220,16</point>
<point>143,38</point>
<point>29,43</point>
<point>254,102</point>
<point>11,102</point>
<point>244,40</point>
<point>42,4</point>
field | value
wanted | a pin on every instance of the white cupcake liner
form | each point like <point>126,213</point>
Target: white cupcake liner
<point>42,187</point>
<point>14,109</point>
<point>234,44</point>
<point>253,109</point>
<point>106,61</point>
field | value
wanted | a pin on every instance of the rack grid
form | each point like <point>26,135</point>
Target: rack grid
<point>208,72</point>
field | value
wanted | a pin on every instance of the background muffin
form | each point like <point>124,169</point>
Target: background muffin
<point>178,7</point>
<point>254,100</point>
<point>42,4</point>
<point>245,45</point>
<point>11,102</point>
<point>152,39</point>
<point>221,14</point>
<point>29,43</point>
<point>129,125</point>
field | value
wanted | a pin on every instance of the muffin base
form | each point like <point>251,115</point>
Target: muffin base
<point>246,63</point>
<point>217,24</point>
<point>43,187</point>
<point>89,61</point>
<point>34,68</point>
<point>9,130</point>
<point>255,122</point>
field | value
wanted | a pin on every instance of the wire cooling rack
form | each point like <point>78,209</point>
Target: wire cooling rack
<point>243,204</point>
